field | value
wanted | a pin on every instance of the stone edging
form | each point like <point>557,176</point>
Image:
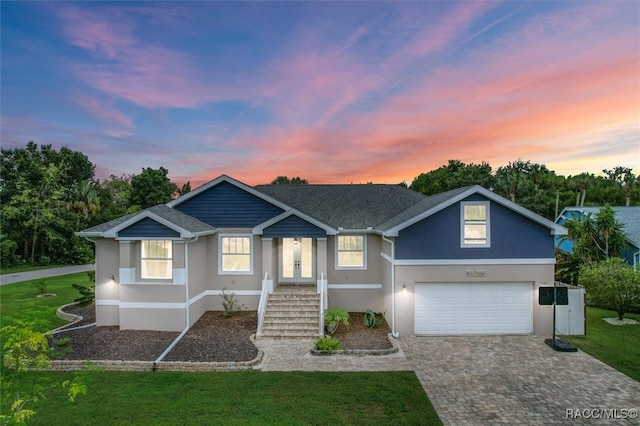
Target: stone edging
<point>72,318</point>
<point>120,365</point>
<point>360,352</point>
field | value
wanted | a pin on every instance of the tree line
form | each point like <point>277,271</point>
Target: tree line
<point>534,186</point>
<point>47,194</point>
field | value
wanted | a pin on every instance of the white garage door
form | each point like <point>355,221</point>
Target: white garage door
<point>474,308</point>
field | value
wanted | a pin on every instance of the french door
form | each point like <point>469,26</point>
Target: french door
<point>297,261</point>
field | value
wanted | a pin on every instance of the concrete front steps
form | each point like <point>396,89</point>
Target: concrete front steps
<point>292,312</point>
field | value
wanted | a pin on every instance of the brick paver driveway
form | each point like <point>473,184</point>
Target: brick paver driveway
<point>517,380</point>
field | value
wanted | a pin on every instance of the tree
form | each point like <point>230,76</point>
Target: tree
<point>185,188</point>
<point>455,174</point>
<point>38,187</point>
<point>152,187</point>
<point>593,239</point>
<point>283,180</point>
<point>624,179</point>
<point>612,284</point>
<point>512,180</point>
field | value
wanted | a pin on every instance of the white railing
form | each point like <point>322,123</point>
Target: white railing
<point>324,302</point>
<point>267,289</point>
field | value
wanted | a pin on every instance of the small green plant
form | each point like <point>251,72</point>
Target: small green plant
<point>87,295</point>
<point>24,349</point>
<point>229,303</point>
<point>328,343</point>
<point>41,286</point>
<point>333,317</point>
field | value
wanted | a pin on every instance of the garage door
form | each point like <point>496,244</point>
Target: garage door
<point>478,308</point>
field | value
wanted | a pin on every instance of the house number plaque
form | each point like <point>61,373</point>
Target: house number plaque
<point>474,273</point>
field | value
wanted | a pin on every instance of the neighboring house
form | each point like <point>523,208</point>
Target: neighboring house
<point>466,261</point>
<point>628,216</point>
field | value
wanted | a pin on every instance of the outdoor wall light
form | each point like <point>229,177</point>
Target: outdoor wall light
<point>113,281</point>
<point>404,288</point>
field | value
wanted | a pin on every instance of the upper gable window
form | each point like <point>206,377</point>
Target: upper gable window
<point>156,259</point>
<point>474,224</point>
<point>236,254</point>
<point>351,252</point>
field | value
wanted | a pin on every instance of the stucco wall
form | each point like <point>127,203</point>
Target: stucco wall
<point>538,275</point>
<point>107,289</point>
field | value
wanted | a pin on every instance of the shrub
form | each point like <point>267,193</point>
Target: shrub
<point>334,317</point>
<point>87,294</point>
<point>327,343</point>
<point>612,284</point>
<point>229,303</point>
<point>8,252</point>
<point>41,286</point>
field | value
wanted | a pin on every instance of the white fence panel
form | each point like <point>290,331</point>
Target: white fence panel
<point>570,318</point>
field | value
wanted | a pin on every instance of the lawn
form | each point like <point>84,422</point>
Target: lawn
<point>19,301</point>
<point>615,345</point>
<point>240,398</point>
<point>230,398</point>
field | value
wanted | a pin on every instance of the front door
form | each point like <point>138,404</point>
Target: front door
<point>297,260</point>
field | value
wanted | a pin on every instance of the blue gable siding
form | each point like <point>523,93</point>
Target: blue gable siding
<point>293,226</point>
<point>227,206</point>
<point>148,228</point>
<point>513,236</point>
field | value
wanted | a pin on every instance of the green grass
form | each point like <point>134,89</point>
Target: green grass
<point>204,398</point>
<point>615,345</point>
<point>18,301</point>
<point>239,398</point>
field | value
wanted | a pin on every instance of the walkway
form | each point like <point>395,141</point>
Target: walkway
<point>43,273</point>
<point>294,355</point>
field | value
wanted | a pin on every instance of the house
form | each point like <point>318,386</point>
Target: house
<point>466,261</point>
<point>628,216</point>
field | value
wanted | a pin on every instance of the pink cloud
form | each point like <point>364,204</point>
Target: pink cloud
<point>104,112</point>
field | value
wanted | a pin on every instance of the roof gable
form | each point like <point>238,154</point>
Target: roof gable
<point>183,225</point>
<point>227,203</point>
<point>438,202</point>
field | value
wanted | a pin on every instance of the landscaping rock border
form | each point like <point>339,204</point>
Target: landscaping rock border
<point>120,365</point>
<point>360,352</point>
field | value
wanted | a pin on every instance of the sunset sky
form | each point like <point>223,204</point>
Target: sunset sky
<point>334,92</point>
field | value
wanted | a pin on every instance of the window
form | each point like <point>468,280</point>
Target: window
<point>475,224</point>
<point>157,259</point>
<point>235,254</point>
<point>350,252</point>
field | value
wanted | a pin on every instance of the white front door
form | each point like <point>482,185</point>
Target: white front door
<point>297,260</point>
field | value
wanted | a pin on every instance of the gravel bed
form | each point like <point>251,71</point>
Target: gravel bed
<point>213,337</point>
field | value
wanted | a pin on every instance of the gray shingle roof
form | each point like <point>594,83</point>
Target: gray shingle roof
<point>423,205</point>
<point>174,216</point>
<point>354,206</point>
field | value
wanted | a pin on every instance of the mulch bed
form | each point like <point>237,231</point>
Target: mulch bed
<point>357,336</point>
<point>213,337</point>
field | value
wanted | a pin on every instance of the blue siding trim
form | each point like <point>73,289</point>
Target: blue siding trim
<point>227,206</point>
<point>293,226</point>
<point>148,228</point>
<point>512,236</point>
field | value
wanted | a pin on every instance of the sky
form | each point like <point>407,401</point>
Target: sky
<point>333,92</point>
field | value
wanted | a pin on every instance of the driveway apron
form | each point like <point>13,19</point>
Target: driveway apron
<point>519,380</point>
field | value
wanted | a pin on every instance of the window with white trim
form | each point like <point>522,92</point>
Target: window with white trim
<point>351,252</point>
<point>156,259</point>
<point>475,224</point>
<point>236,254</point>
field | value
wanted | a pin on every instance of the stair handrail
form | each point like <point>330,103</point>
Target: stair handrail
<point>267,289</point>
<point>324,302</point>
